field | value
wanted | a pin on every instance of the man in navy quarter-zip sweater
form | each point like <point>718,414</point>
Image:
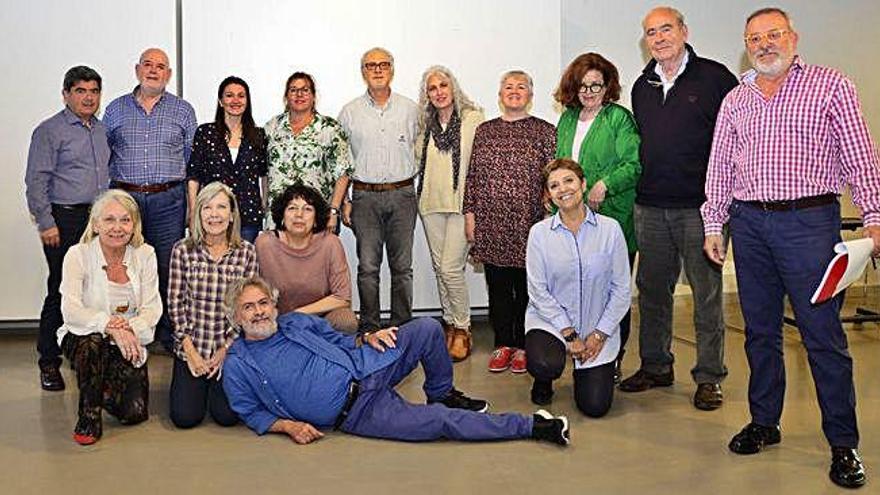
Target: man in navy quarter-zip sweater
<point>675,101</point>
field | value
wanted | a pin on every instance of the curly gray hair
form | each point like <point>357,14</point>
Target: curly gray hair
<point>237,287</point>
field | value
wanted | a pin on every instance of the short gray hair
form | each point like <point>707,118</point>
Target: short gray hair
<point>380,50</point>
<point>237,287</point>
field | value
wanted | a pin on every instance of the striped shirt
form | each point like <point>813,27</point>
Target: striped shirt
<point>149,148</point>
<point>809,139</point>
<point>196,285</point>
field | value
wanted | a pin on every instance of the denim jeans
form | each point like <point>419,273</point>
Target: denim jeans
<point>71,222</point>
<point>668,238</point>
<point>785,253</point>
<point>380,412</point>
<point>384,220</point>
<point>163,216</point>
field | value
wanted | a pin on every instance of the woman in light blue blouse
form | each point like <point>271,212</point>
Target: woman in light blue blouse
<point>579,289</point>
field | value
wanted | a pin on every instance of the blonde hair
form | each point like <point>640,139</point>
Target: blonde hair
<point>197,231</point>
<point>127,202</point>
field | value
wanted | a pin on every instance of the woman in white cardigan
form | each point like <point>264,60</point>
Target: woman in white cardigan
<point>110,303</point>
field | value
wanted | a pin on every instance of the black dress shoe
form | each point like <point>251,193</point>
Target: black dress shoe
<point>542,393</point>
<point>846,468</point>
<point>753,438</point>
<point>708,397</point>
<point>51,379</point>
<point>643,380</point>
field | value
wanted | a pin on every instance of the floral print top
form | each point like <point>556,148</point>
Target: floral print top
<point>316,157</point>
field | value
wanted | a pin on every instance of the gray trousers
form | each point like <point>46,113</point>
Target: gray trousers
<point>386,220</point>
<point>666,238</point>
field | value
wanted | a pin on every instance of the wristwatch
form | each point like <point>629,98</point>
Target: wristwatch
<point>571,337</point>
<point>334,210</point>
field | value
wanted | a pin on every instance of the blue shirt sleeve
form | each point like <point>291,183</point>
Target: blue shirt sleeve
<point>243,398</point>
<point>538,285</point>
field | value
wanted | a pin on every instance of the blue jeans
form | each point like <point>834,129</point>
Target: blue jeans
<point>669,238</point>
<point>163,216</point>
<point>779,253</point>
<point>380,412</point>
<point>384,220</point>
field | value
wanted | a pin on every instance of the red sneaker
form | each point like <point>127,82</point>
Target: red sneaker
<point>500,359</point>
<point>518,363</point>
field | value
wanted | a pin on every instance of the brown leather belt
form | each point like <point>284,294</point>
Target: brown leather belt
<point>146,188</point>
<point>794,204</point>
<point>388,186</point>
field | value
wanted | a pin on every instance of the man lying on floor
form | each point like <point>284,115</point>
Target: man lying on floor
<point>296,375</point>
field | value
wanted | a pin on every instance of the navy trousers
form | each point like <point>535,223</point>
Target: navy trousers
<point>785,253</point>
<point>164,219</point>
<point>380,412</point>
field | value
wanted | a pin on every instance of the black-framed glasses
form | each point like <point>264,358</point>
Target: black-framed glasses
<point>383,66</point>
<point>591,88</point>
<point>303,91</point>
<point>773,36</point>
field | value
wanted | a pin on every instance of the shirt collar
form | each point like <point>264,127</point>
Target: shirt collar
<point>556,220</point>
<point>71,118</point>
<point>797,65</point>
<point>372,103</point>
<point>659,70</point>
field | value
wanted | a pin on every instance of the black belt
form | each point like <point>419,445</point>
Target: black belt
<point>146,188</point>
<point>354,389</point>
<point>80,206</point>
<point>388,186</point>
<point>793,204</point>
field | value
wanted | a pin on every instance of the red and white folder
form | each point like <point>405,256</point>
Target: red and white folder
<point>844,269</point>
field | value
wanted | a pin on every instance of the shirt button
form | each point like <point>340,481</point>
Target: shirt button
<point>265,382</point>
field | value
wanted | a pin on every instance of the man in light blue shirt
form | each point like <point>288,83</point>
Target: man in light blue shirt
<point>382,128</point>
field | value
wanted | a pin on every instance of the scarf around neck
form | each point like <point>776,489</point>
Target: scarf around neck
<point>446,140</point>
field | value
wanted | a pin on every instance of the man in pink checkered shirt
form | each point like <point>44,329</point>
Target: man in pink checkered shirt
<point>787,140</point>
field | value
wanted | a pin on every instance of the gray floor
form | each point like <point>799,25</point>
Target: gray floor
<point>653,442</point>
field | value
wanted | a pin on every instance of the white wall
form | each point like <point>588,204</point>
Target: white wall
<point>327,40</point>
<point>41,40</point>
<point>263,41</point>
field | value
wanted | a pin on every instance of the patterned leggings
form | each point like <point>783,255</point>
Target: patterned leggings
<point>106,380</point>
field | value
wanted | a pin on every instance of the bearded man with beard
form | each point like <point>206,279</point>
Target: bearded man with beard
<point>296,375</point>
<point>787,140</point>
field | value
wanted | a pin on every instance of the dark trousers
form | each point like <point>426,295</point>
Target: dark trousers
<point>381,412</point>
<point>191,397</point>
<point>508,299</point>
<point>779,253</point>
<point>625,321</point>
<point>107,380</point>
<point>593,387</point>
<point>71,222</point>
<point>164,219</point>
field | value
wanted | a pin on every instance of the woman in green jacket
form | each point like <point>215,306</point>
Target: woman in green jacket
<point>602,136</point>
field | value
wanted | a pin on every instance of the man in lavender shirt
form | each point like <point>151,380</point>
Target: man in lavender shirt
<point>66,170</point>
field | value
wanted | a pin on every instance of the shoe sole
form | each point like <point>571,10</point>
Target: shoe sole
<point>84,439</point>
<point>708,406</point>
<point>636,390</point>
<point>517,371</point>
<point>499,370</point>
<point>52,388</point>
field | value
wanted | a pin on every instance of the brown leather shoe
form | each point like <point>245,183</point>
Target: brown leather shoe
<point>461,344</point>
<point>708,397</point>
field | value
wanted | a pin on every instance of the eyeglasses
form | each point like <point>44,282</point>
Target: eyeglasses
<point>303,91</point>
<point>371,66</point>
<point>592,88</point>
<point>773,36</point>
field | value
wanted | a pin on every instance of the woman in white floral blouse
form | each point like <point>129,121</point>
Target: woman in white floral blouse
<point>307,147</point>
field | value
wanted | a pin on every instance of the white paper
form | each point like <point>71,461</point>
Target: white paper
<point>857,254</point>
